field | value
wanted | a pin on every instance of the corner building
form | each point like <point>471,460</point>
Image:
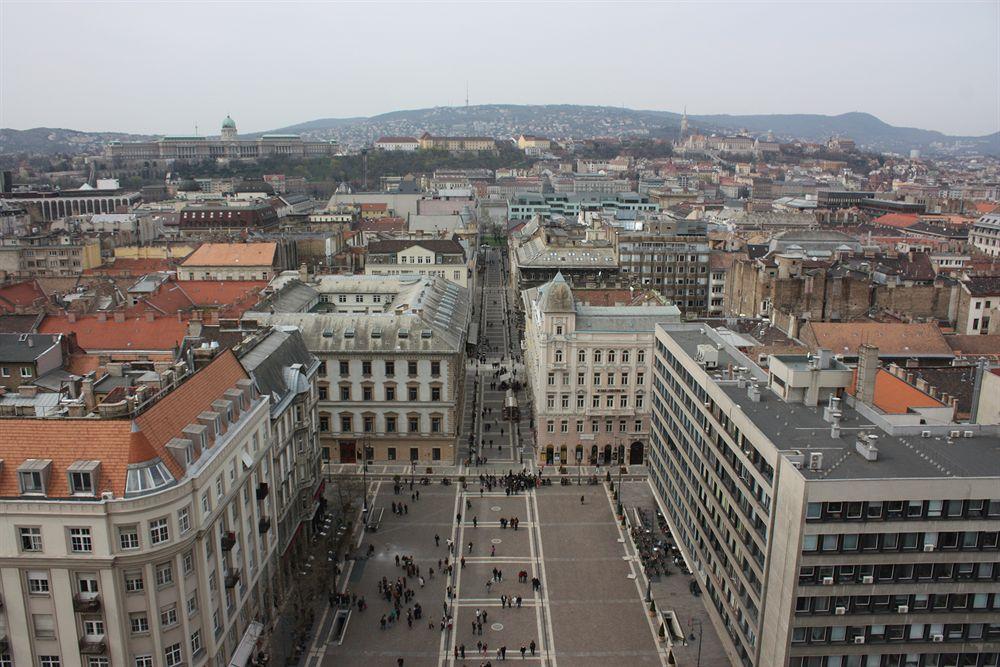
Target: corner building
<point>141,534</point>
<point>822,534</point>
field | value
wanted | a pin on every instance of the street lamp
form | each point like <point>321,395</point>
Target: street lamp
<point>693,623</point>
<point>367,451</point>
<point>620,509</point>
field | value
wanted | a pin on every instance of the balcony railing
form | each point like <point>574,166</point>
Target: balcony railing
<point>232,577</point>
<point>262,490</point>
<point>93,645</point>
<point>86,604</point>
<point>263,525</point>
<point>228,541</point>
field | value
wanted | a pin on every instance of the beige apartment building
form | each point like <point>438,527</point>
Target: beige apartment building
<point>823,532</point>
<point>140,532</point>
<point>392,352</point>
<point>589,369</point>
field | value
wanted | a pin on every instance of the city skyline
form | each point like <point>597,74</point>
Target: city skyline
<point>671,53</point>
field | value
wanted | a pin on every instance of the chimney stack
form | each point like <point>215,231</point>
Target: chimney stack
<point>867,370</point>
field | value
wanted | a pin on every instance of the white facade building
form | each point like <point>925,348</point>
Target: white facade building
<point>589,367</point>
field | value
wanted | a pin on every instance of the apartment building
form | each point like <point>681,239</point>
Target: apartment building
<point>230,261</point>
<point>985,235</point>
<point>282,368</point>
<point>589,367</point>
<point>667,254</point>
<point>139,531</point>
<point>392,361</point>
<point>822,531</point>
<point>443,258</point>
<point>49,255</point>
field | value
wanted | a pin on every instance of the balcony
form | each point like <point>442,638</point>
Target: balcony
<point>93,645</point>
<point>232,577</point>
<point>86,604</point>
<point>228,541</point>
<point>263,525</point>
<point>262,490</point>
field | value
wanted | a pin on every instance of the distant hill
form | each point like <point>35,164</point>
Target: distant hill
<point>864,128</point>
<point>559,121</point>
<point>53,140</point>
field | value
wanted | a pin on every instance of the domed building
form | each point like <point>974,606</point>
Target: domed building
<point>229,129</point>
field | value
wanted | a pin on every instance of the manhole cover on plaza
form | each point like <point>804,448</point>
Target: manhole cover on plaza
<point>496,540</point>
<point>496,627</point>
<point>496,508</point>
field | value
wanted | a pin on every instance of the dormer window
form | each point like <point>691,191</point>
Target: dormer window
<point>83,477</point>
<point>33,476</point>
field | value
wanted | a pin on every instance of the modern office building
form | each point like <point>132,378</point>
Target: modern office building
<point>589,368</point>
<point>824,531</point>
<point>138,531</point>
<point>392,352</point>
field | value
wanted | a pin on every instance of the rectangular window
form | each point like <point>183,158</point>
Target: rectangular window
<point>183,520</point>
<point>168,616</point>
<point>134,582</point>
<point>48,660</point>
<point>158,530</point>
<point>188,562</point>
<point>164,575</point>
<point>81,483</point>
<point>79,540</point>
<point>31,539</point>
<point>38,582</point>
<point>172,654</point>
<point>139,624</point>
<point>44,626</point>
<point>196,642</point>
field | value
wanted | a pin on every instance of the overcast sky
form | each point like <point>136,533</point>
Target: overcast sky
<point>163,67</point>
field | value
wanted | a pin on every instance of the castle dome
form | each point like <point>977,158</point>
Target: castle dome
<point>229,123</point>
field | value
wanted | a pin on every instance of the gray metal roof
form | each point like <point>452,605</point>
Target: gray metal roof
<point>280,364</point>
<point>24,348</point>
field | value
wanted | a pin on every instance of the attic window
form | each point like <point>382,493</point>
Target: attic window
<point>403,333</point>
<point>426,333</point>
<point>33,476</point>
<point>376,332</point>
<point>349,333</point>
<point>327,333</point>
<point>83,477</point>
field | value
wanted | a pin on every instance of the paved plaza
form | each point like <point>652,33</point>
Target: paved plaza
<point>589,611</point>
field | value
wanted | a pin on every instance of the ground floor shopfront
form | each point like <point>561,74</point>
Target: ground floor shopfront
<point>631,453</point>
<point>424,450</point>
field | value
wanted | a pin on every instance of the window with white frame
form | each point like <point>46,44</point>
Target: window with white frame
<point>138,623</point>
<point>184,520</point>
<point>143,661</point>
<point>196,642</point>
<point>172,655</point>
<point>93,627</point>
<point>164,574</point>
<point>38,582</point>
<point>134,582</point>
<point>168,616</point>
<point>159,532</point>
<point>128,538</point>
<point>31,538</point>
<point>79,540</point>
<point>49,661</point>
<point>192,604</point>
<point>187,561</point>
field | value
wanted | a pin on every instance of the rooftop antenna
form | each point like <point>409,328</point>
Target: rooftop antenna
<point>466,93</point>
<point>196,129</point>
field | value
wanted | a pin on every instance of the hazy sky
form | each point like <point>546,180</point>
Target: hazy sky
<point>163,67</point>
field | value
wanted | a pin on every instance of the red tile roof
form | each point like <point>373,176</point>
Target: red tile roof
<point>898,220</point>
<point>136,333</point>
<point>894,396</point>
<point>114,442</point>
<point>132,267</point>
<point>24,294</point>
<point>232,254</point>
<point>891,339</point>
<point>228,296</point>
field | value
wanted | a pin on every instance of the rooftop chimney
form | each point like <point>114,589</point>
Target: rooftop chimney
<point>867,370</point>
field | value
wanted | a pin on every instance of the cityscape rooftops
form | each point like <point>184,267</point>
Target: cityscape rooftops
<point>128,453</point>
